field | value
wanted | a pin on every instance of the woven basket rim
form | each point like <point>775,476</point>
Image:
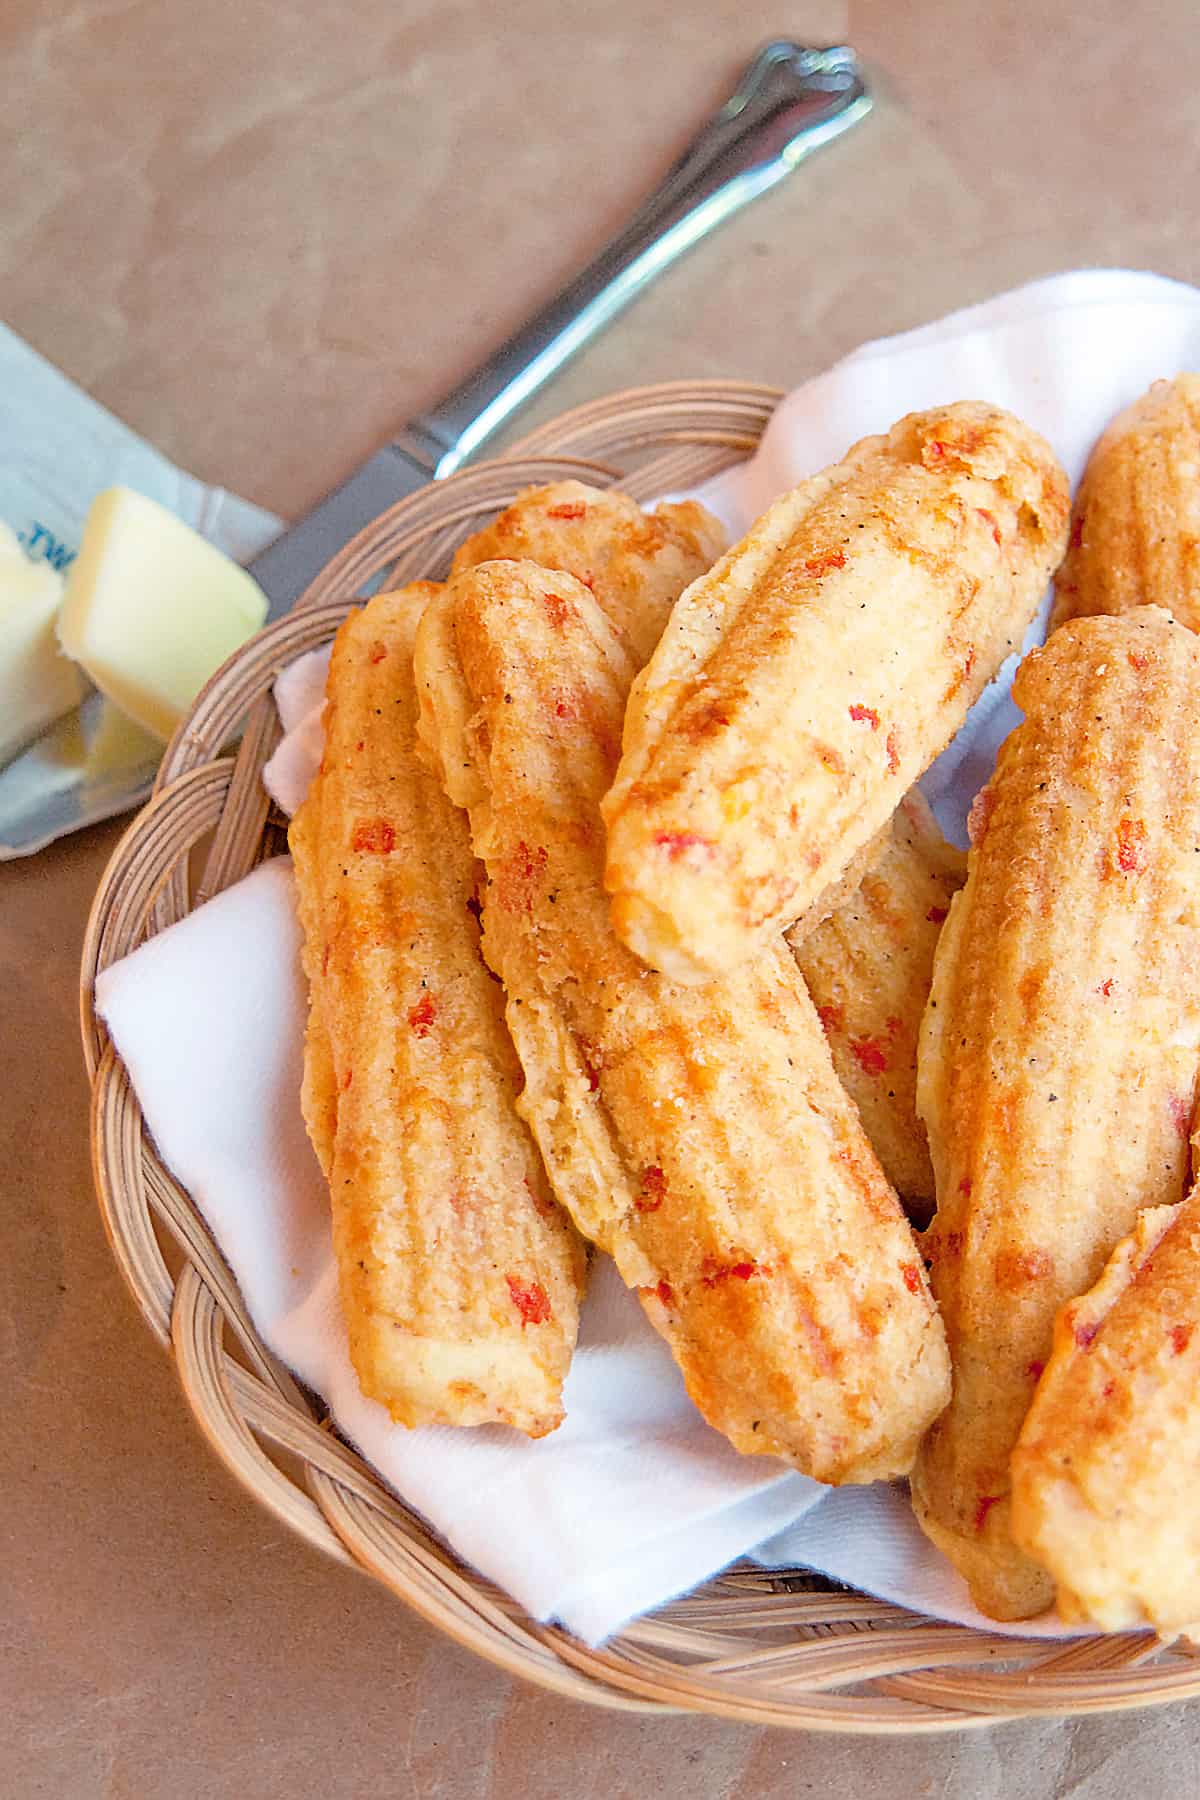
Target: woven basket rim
<point>742,1646</point>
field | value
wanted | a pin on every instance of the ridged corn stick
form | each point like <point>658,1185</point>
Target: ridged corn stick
<point>459,1275</point>
<point>1106,1472</point>
<point>700,1136</point>
<point>1060,1049</point>
<point>803,685</point>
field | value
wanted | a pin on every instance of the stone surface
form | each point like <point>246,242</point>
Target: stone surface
<point>264,235</point>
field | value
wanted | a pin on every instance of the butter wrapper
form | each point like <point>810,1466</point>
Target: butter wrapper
<point>58,449</point>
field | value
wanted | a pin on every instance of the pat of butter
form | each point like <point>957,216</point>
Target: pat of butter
<point>152,609</point>
<point>37,683</point>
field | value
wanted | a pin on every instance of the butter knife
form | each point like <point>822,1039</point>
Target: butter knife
<point>789,101</point>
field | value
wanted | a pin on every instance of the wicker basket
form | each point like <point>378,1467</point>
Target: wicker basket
<point>767,1648</point>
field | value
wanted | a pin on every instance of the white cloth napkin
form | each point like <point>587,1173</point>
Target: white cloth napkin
<point>634,1499</point>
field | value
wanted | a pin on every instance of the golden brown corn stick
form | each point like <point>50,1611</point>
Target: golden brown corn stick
<point>1106,1472</point>
<point>1059,1052</point>
<point>801,686</point>
<point>1135,524</point>
<point>459,1275</point>
<point>868,969</point>
<point>636,563</point>
<point>699,1136</point>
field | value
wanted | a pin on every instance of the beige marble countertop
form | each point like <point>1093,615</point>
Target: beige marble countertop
<point>264,234</point>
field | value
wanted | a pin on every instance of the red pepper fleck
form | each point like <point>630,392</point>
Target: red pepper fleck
<point>360,743</point>
<point>964,1186</point>
<point>566,509</point>
<point>830,1017</point>
<point>530,1300</point>
<point>653,1189</point>
<point>1085,1332</point>
<point>826,560</point>
<point>1015,1269</point>
<point>566,704</point>
<point>870,1055</point>
<point>665,1292</point>
<point>1106,987</point>
<point>969,664</point>
<point>713,1273</point>
<point>1181,1112</point>
<point>518,877</point>
<point>347,1078</point>
<point>591,1062</point>
<point>949,1245</point>
<point>893,753</point>
<point>375,836</point>
<point>1180,1336</point>
<point>1108,1390</point>
<point>1138,661</point>
<point>378,651</point>
<point>933,452</point>
<point>678,843</point>
<point>936,915</point>
<point>986,1503</point>
<point>990,519</point>
<point>422,1015</point>
<point>1035,1369</point>
<point>558,609</point>
<point>705,721</point>
<point>912,1277</point>
<point>858,713</point>
<point>1132,856</point>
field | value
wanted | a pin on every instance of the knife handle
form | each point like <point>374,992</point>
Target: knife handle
<point>788,102</point>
